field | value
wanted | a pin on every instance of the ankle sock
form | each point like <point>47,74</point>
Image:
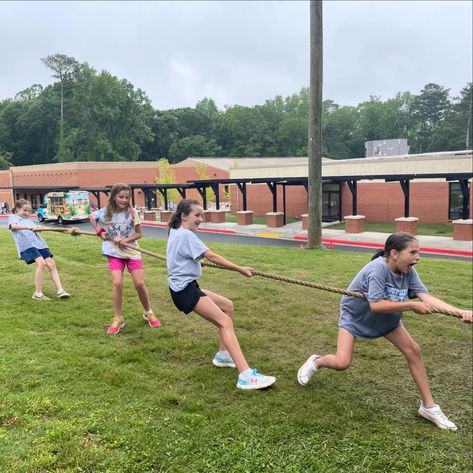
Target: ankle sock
<point>246,372</point>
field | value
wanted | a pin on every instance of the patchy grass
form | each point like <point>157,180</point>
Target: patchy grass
<point>73,399</point>
<point>440,229</point>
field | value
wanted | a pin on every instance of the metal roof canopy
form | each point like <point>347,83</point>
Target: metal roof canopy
<point>272,183</point>
<point>351,181</point>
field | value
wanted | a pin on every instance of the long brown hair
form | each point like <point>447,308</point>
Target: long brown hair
<point>112,206</point>
<point>396,241</point>
<point>184,207</point>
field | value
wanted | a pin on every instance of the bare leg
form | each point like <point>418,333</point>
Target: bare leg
<point>225,305</point>
<point>38,277</point>
<point>117,289</point>
<point>343,358</point>
<point>402,339</point>
<point>53,272</point>
<point>139,282</point>
<point>208,310</point>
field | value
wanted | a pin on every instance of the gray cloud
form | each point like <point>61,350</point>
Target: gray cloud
<point>242,52</point>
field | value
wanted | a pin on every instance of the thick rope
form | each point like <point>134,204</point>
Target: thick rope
<point>74,231</point>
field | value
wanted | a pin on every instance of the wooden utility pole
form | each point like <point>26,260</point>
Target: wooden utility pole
<point>314,230</point>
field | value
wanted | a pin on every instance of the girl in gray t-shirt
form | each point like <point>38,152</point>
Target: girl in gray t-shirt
<point>33,249</point>
<point>183,254</point>
<point>386,282</point>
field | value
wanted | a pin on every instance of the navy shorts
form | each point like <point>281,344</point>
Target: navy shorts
<point>29,255</point>
<point>188,298</point>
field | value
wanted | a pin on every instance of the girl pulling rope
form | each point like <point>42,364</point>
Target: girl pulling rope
<point>386,282</point>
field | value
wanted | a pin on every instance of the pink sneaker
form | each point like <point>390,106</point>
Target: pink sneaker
<point>153,322</point>
<point>114,329</point>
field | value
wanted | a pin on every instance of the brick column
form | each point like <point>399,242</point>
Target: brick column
<point>165,215</point>
<point>305,221</point>
<point>463,230</point>
<point>354,223</point>
<point>149,215</point>
<point>207,216</point>
<point>245,217</point>
<point>274,219</point>
<point>217,216</point>
<point>407,224</point>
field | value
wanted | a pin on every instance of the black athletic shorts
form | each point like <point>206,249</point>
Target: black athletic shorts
<point>188,298</point>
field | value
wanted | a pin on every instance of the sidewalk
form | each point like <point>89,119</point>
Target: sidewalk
<point>332,237</point>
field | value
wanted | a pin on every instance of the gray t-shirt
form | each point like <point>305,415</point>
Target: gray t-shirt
<point>183,253</point>
<point>377,282</point>
<point>25,239</point>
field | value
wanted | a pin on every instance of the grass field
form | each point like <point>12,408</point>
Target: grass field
<point>73,399</point>
<point>437,229</point>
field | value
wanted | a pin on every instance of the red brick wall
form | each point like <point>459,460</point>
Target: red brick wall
<point>260,199</point>
<point>384,201</point>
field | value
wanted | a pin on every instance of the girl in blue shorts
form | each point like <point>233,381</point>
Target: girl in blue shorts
<point>387,282</point>
<point>33,249</point>
<point>184,252</point>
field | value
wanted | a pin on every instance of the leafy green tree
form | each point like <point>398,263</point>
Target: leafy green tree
<point>430,108</point>
<point>110,119</point>
<point>166,176</point>
<point>193,146</point>
<point>5,160</point>
<point>63,67</point>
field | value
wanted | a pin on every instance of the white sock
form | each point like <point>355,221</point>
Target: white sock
<point>246,372</point>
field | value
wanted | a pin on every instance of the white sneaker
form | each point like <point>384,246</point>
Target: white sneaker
<point>39,296</point>
<point>223,360</point>
<point>435,415</point>
<point>307,370</point>
<point>254,380</point>
<point>62,294</point>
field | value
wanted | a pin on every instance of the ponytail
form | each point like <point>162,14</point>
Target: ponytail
<point>378,253</point>
<point>183,208</point>
<point>396,241</point>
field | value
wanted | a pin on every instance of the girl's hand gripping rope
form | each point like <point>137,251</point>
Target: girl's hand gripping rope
<point>467,316</point>
<point>246,271</point>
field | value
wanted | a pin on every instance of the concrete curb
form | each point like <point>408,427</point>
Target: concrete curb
<point>331,242</point>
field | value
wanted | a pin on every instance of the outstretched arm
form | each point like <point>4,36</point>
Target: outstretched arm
<point>434,302</point>
<point>16,226</point>
<point>221,261</point>
<point>387,307</point>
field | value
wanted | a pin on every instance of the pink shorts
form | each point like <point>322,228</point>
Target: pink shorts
<point>118,264</point>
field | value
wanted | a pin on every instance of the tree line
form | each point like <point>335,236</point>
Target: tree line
<point>94,116</point>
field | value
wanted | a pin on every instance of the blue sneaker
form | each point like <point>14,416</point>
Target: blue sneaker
<point>223,360</point>
<point>251,379</point>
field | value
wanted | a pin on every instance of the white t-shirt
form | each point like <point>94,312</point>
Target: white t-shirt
<point>121,225</point>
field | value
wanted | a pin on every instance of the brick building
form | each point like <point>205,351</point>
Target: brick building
<point>432,200</point>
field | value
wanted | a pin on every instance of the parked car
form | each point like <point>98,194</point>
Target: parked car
<point>65,207</point>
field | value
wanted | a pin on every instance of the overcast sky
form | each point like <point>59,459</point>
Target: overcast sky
<point>244,52</point>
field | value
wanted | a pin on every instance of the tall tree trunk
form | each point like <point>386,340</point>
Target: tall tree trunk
<point>314,231</point>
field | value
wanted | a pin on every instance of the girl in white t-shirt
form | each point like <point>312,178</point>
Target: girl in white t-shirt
<point>183,254</point>
<point>116,224</point>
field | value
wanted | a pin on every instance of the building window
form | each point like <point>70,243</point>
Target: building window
<point>455,201</point>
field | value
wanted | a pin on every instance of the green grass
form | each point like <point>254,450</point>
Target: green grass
<point>73,399</point>
<point>439,229</point>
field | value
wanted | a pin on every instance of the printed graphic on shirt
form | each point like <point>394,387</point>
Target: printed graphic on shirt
<point>392,293</point>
